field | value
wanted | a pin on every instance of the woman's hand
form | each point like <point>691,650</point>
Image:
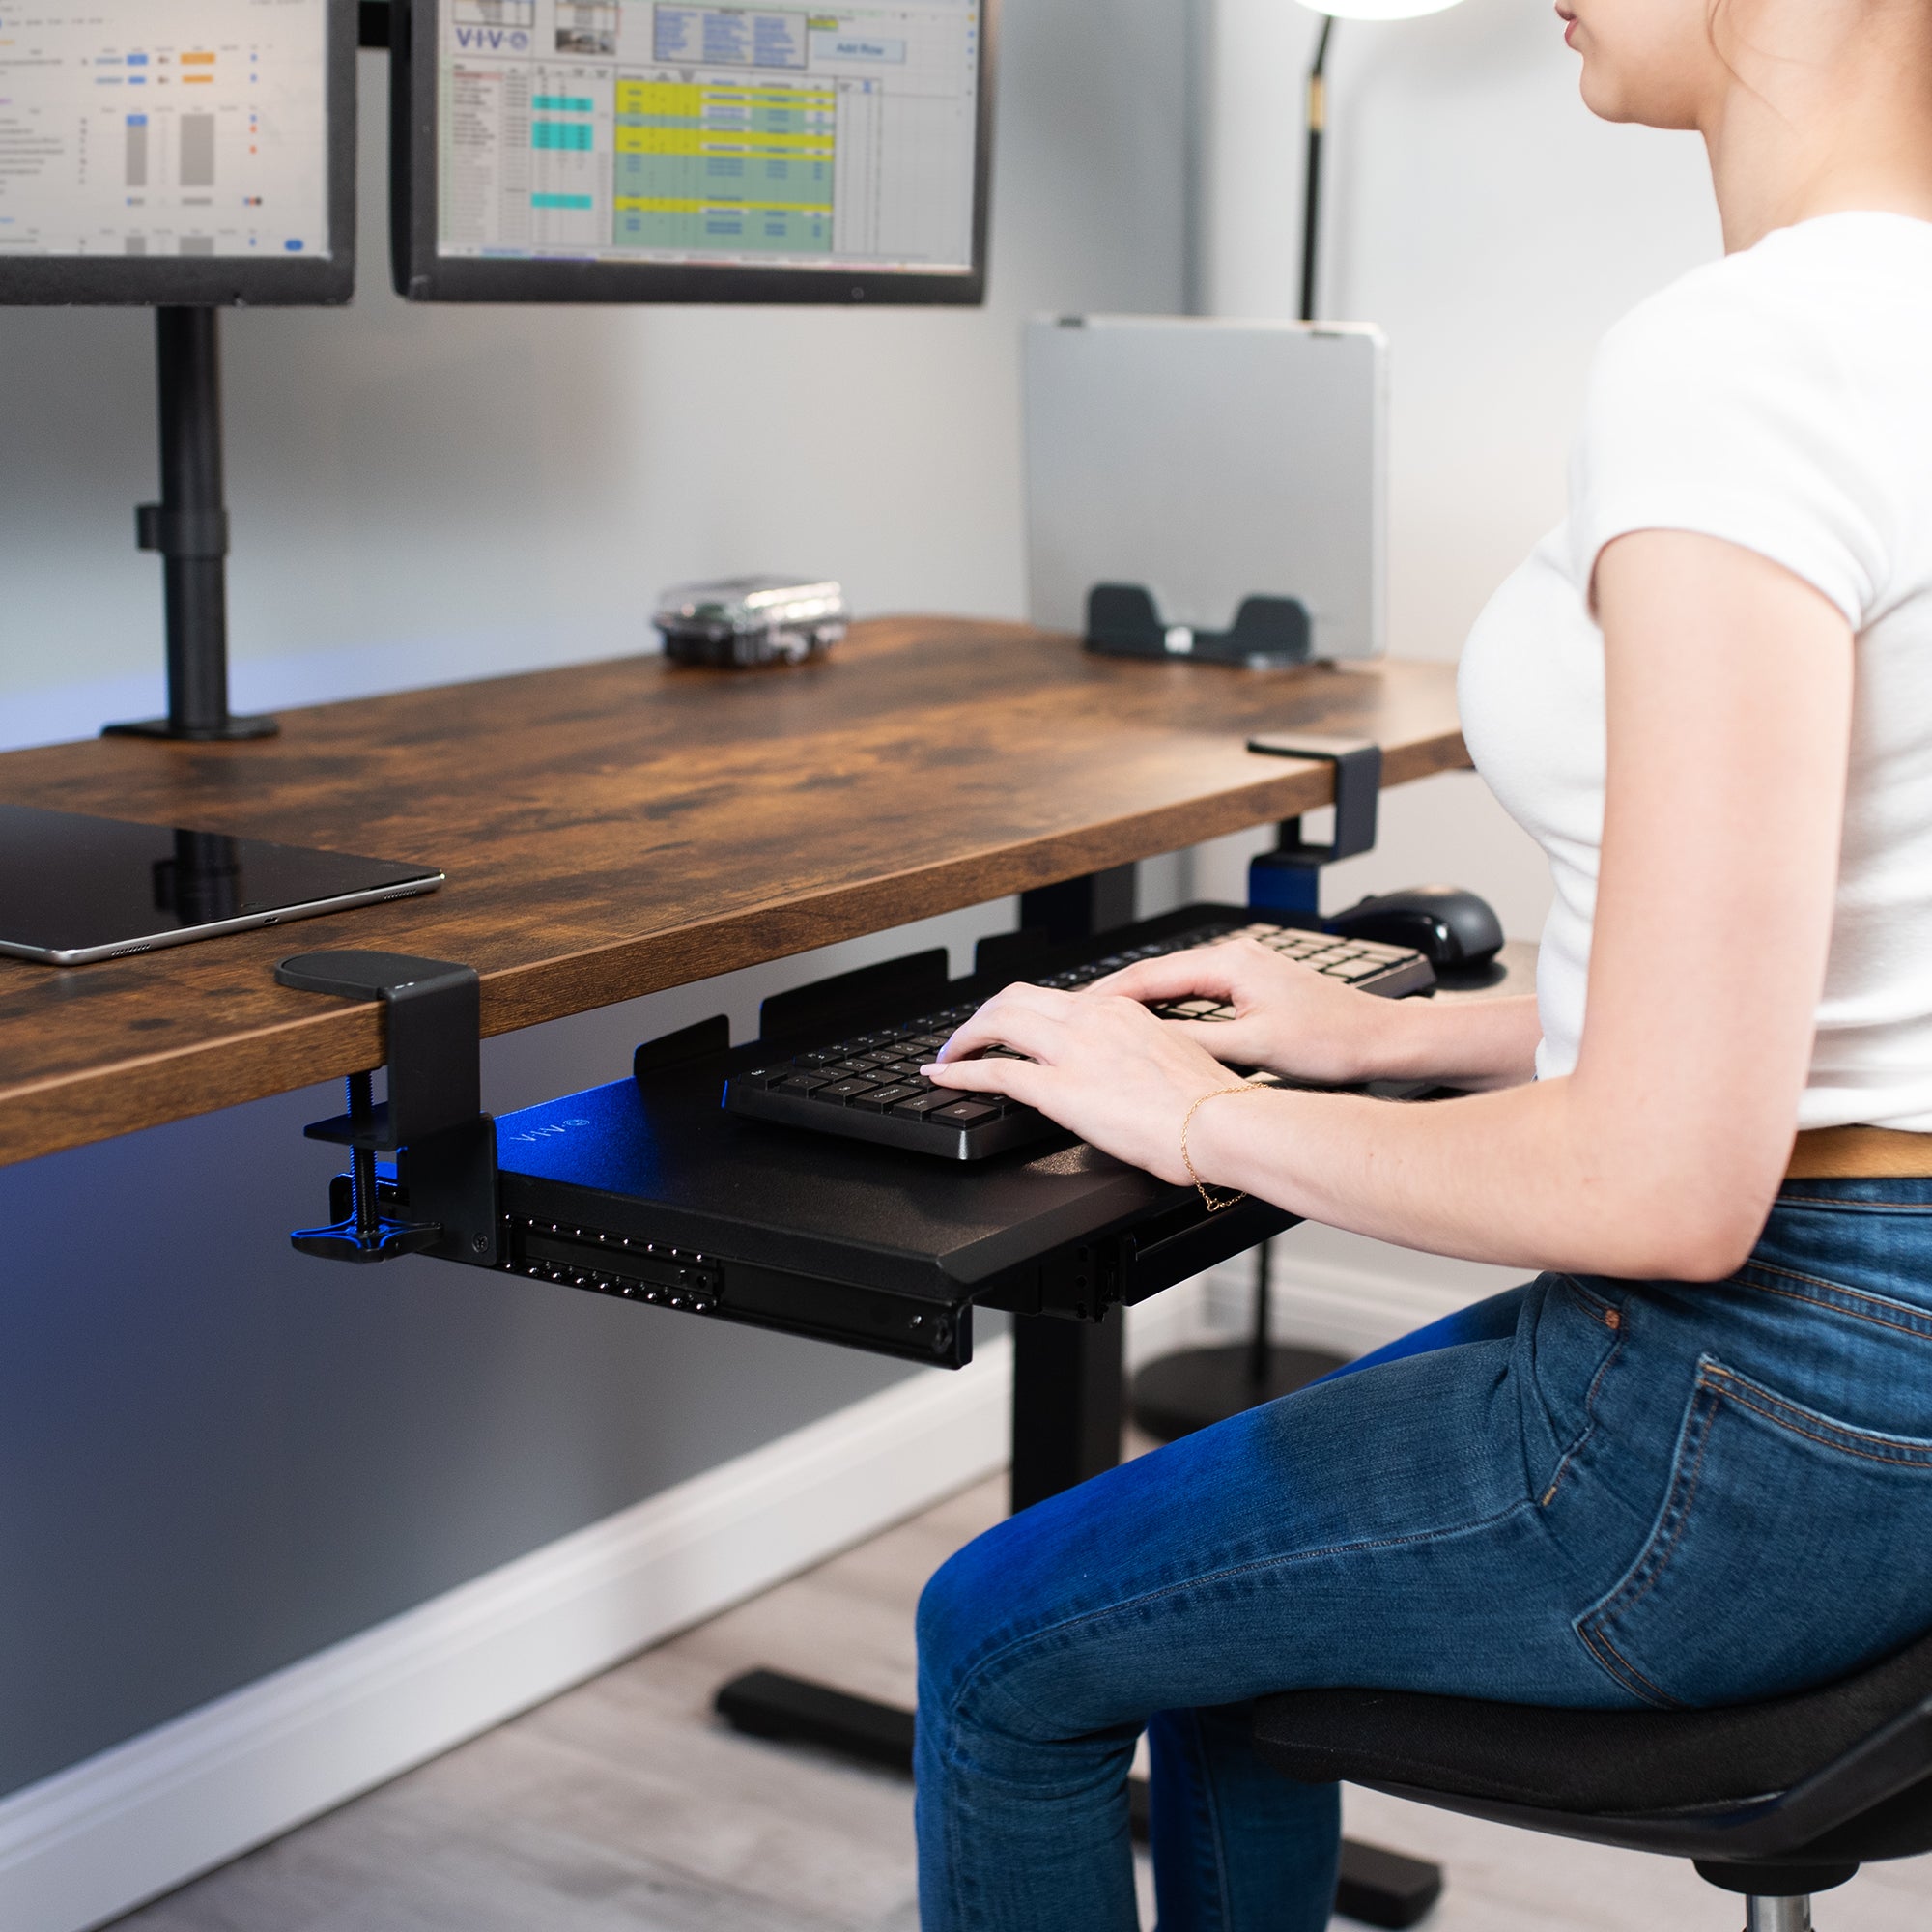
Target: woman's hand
<point>1287,1017</point>
<point>1099,1065</point>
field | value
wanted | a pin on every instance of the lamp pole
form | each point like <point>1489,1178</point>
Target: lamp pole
<point>1311,202</point>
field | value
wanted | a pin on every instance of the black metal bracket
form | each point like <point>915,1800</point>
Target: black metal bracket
<point>1287,879</point>
<point>1268,633</point>
<point>431,1118</point>
<point>1358,784</point>
<point>200,533</point>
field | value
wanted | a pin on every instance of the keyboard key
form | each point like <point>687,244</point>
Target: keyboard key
<point>1193,1010</point>
<point>823,1057</point>
<point>846,1090</point>
<point>883,1099</point>
<point>930,1102</point>
<point>965,1113</point>
<point>804,1083</point>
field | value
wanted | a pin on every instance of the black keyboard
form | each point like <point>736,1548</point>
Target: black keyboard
<point>868,1086</point>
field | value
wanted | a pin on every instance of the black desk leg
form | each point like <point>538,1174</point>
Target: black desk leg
<point>1078,908</point>
<point>1069,1386</point>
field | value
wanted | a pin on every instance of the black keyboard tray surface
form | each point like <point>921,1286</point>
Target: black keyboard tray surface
<point>648,1189</point>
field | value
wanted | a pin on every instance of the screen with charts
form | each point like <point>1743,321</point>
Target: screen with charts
<point>165,128</point>
<point>843,138</point>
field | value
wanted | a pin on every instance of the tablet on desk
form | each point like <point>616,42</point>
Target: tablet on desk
<point>75,889</point>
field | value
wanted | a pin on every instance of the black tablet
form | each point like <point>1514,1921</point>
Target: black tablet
<point>75,889</point>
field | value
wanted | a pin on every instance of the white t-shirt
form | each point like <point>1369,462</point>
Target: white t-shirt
<point>1780,399</point>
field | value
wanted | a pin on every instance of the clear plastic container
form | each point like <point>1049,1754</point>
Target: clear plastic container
<point>750,620</point>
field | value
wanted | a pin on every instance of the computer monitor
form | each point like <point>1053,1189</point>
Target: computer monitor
<point>187,153</point>
<point>182,156</point>
<point>563,151</point>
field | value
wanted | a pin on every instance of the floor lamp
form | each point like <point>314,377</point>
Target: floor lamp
<point>1177,1393</point>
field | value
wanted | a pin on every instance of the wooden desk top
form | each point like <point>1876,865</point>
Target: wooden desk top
<point>618,827</point>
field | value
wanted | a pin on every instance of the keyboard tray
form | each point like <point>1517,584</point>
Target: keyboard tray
<point>658,1195</point>
<point>647,1189</point>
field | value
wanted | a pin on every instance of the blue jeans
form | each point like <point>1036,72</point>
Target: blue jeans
<point>1584,1492</point>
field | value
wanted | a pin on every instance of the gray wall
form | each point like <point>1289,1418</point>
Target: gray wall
<point>217,1456</point>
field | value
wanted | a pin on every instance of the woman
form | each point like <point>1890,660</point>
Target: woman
<point>1690,1463</point>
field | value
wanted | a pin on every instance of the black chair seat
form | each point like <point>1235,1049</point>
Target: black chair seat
<point>1840,1772</point>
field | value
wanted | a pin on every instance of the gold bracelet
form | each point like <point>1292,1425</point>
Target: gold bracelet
<point>1208,1200</point>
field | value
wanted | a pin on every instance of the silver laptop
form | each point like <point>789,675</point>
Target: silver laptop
<point>1207,461</point>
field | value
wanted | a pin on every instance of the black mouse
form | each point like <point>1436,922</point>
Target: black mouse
<point>1453,926</point>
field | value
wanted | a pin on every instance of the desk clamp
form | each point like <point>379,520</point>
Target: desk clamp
<point>1289,878</point>
<point>432,1120</point>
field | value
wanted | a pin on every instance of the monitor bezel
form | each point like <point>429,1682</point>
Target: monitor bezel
<point>421,274</point>
<point>223,281</point>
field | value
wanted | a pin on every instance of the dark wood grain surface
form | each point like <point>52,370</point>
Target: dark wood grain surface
<point>614,828</point>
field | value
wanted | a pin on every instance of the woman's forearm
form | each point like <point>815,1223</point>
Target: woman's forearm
<point>1470,1043</point>
<point>1537,1177</point>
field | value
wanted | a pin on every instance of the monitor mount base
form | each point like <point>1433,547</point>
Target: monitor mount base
<point>188,528</point>
<point>231,729</point>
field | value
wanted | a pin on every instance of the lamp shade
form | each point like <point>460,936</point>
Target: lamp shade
<point>1376,10</point>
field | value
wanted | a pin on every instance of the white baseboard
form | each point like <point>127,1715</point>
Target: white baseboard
<point>107,1834</point>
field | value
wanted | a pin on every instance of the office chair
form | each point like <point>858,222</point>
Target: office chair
<point>1776,1800</point>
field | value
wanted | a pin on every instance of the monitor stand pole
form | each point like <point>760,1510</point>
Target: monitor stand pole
<point>190,529</point>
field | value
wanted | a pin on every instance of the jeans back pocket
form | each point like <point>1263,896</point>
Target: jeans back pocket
<point>1790,1548</point>
<point>1576,1340</point>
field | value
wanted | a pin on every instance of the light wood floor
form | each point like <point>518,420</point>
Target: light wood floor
<point>624,1806</point>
